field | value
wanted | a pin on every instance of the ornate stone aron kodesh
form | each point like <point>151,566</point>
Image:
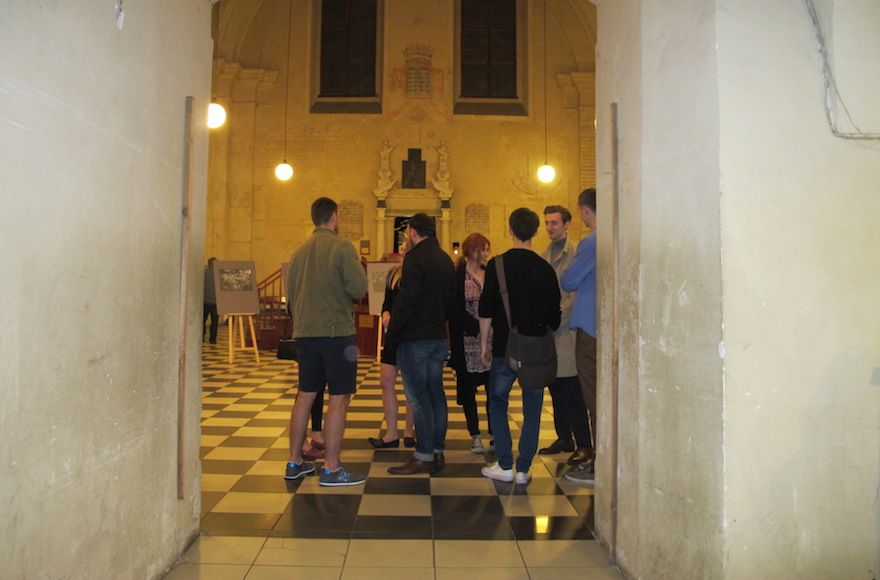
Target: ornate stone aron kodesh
<point>396,198</point>
<point>422,182</point>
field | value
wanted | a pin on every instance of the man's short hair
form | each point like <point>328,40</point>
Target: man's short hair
<point>563,211</point>
<point>588,198</point>
<point>323,209</point>
<point>424,225</point>
<point>524,223</point>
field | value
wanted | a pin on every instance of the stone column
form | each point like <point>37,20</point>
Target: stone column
<point>443,226</point>
<point>381,231</point>
<point>238,87</point>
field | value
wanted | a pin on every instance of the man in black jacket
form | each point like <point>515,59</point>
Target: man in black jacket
<point>534,297</point>
<point>418,327</point>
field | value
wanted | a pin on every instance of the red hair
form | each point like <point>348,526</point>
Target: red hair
<point>473,242</point>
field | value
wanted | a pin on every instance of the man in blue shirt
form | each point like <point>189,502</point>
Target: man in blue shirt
<point>580,277</point>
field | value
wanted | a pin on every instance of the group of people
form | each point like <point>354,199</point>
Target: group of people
<point>432,306</point>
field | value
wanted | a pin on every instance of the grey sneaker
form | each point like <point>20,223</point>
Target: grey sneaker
<point>340,477</point>
<point>477,445</point>
<point>583,474</point>
<point>295,471</point>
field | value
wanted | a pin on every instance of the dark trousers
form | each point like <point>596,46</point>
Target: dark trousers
<point>569,411</point>
<point>585,357</point>
<point>211,310</point>
<point>466,395</point>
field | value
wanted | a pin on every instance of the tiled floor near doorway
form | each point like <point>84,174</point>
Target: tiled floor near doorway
<point>453,524</point>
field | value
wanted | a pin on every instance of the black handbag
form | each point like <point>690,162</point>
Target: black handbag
<point>287,345</point>
<point>531,358</point>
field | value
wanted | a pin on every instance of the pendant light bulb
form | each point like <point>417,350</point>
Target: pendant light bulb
<point>546,173</point>
<point>284,171</point>
<point>216,115</point>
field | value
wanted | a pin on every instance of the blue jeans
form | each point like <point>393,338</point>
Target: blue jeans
<point>500,383</point>
<point>421,366</point>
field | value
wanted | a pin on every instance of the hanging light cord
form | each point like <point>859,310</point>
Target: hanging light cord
<point>287,74</point>
<point>545,81</point>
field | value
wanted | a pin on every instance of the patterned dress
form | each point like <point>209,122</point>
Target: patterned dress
<point>472,292</point>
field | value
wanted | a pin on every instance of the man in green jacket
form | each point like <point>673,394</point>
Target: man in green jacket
<point>325,276</point>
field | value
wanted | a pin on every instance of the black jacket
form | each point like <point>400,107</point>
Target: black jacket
<point>427,285</point>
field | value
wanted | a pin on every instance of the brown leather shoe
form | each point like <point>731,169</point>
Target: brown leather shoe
<point>580,455</point>
<point>439,460</point>
<point>412,467</point>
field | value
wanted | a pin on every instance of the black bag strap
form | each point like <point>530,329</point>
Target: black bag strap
<point>287,330</point>
<point>502,285</point>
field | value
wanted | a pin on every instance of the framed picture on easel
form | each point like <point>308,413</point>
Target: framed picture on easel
<point>236,284</point>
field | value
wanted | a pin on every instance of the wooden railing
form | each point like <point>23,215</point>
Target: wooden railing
<point>272,319</point>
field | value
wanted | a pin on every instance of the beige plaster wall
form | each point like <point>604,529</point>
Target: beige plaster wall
<point>492,160</point>
<point>656,62</point>
<point>91,158</point>
<point>748,313</point>
<point>801,305</point>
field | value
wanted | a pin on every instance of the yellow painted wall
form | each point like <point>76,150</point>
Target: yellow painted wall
<point>492,160</point>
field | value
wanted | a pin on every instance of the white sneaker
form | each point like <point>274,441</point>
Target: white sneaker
<point>523,477</point>
<point>477,445</point>
<point>495,472</point>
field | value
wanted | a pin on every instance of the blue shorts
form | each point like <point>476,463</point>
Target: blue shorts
<point>327,361</point>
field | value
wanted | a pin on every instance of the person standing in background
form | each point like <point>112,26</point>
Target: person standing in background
<point>569,412</point>
<point>580,277</point>
<point>210,302</point>
<point>388,370</point>
<point>533,294</point>
<point>418,327</point>
<point>325,277</point>
<point>464,330</point>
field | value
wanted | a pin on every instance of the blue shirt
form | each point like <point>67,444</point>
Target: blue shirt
<point>580,277</point>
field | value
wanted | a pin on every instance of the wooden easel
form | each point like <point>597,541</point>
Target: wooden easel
<point>240,324</point>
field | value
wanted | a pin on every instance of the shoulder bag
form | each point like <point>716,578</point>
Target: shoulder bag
<point>287,344</point>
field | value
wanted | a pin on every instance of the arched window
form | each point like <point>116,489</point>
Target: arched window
<point>348,48</point>
<point>490,77</point>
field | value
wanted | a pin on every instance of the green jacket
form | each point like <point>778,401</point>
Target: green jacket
<point>325,276</point>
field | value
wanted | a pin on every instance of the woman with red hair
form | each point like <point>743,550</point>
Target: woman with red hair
<point>470,371</point>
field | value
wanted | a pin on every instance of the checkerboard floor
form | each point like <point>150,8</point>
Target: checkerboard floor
<point>245,416</point>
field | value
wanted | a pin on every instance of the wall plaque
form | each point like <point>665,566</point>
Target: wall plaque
<point>476,218</point>
<point>351,220</point>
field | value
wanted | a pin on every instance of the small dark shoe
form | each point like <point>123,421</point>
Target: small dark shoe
<point>381,444</point>
<point>439,460</point>
<point>412,467</point>
<point>582,455</point>
<point>558,446</point>
<point>313,454</point>
<point>409,442</point>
